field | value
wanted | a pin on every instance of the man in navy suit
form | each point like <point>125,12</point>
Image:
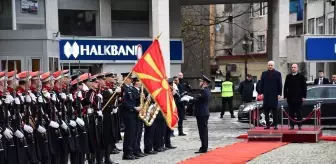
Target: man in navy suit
<point>271,91</point>
<point>321,79</point>
<point>202,112</point>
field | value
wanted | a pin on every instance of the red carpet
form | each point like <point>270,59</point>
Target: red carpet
<point>243,136</point>
<point>238,153</point>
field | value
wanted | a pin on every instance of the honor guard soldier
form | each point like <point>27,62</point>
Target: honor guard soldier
<point>10,83</point>
<point>108,125</point>
<point>129,114</point>
<point>78,157</point>
<point>202,102</point>
<point>34,81</point>
<point>26,98</point>
<point>47,100</point>
<point>110,83</point>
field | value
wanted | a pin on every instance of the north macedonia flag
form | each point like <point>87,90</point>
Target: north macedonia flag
<point>151,71</point>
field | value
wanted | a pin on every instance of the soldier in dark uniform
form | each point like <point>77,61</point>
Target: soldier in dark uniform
<point>108,136</point>
<point>110,86</point>
<point>202,112</point>
<point>149,138</point>
<point>138,122</point>
<point>160,127</point>
<point>129,114</point>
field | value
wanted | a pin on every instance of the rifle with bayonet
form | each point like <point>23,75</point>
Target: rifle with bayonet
<point>17,115</point>
<point>6,108</point>
<point>40,115</point>
<point>63,114</point>
<point>28,120</point>
<point>53,110</point>
<point>79,107</point>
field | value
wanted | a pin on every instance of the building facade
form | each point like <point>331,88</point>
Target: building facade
<point>89,35</point>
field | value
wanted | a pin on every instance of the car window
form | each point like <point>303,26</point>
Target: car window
<point>331,92</point>
<point>314,93</point>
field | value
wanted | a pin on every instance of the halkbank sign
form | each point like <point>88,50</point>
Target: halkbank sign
<point>111,49</point>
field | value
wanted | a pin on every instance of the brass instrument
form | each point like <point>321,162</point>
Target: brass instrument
<point>147,111</point>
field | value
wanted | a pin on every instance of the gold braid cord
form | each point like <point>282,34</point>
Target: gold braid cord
<point>148,111</point>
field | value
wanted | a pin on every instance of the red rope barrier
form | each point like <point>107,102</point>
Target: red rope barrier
<point>311,114</point>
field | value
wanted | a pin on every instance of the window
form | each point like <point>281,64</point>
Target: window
<point>36,65</point>
<point>314,93</point>
<point>331,92</point>
<point>262,9</point>
<point>53,64</point>
<point>320,25</point>
<point>261,43</point>
<point>252,42</point>
<point>330,25</point>
<point>11,65</point>
<point>311,25</point>
<point>77,22</point>
<point>251,10</point>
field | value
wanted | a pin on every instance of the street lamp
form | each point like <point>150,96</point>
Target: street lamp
<point>246,44</point>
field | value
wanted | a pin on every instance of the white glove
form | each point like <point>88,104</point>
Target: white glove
<point>118,90</point>
<point>80,122</point>
<point>70,97</point>
<point>53,124</point>
<point>72,123</point>
<point>186,98</point>
<point>89,110</point>
<point>40,99</point>
<point>41,129</point>
<point>137,108</point>
<point>17,101</point>
<point>0,136</point>
<point>63,96</point>
<point>33,97</point>
<point>9,99</point>
<point>79,94</point>
<point>22,98</point>
<point>100,113</point>
<point>46,95</point>
<point>8,133</point>
<point>18,134</point>
<point>85,88</point>
<point>28,99</point>
<point>28,128</point>
<point>115,110</point>
<point>53,97</point>
<point>64,125</point>
<point>101,97</point>
<point>110,90</point>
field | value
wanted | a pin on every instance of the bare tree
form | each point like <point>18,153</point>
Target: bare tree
<point>196,24</point>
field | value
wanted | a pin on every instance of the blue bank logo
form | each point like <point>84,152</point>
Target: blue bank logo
<point>98,50</point>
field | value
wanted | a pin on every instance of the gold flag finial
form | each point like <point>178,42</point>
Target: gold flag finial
<point>157,37</point>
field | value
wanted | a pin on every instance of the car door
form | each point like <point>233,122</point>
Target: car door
<point>314,94</point>
<point>328,109</point>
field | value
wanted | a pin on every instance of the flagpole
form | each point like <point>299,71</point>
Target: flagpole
<point>158,36</point>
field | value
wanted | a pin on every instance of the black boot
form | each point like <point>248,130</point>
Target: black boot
<point>91,158</point>
<point>99,157</point>
<point>107,158</point>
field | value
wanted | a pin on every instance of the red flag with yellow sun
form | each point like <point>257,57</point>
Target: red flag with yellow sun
<point>151,71</point>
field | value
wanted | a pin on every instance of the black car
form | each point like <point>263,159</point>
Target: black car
<point>326,94</point>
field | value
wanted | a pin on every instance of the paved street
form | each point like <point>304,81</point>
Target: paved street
<point>223,132</point>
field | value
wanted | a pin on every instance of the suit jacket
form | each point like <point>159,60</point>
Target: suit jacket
<point>202,102</point>
<point>271,87</point>
<point>295,88</point>
<point>129,101</point>
<point>325,81</point>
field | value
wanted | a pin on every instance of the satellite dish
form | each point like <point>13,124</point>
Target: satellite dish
<point>139,51</point>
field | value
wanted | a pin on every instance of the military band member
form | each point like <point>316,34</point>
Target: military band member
<point>138,122</point>
<point>202,112</point>
<point>129,114</point>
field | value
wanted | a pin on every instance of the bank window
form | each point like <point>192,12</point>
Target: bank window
<point>330,25</point>
<point>11,65</point>
<point>77,22</point>
<point>320,25</point>
<point>36,65</point>
<point>311,25</point>
<point>53,64</point>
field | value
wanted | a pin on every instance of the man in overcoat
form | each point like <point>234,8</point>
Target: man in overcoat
<point>271,91</point>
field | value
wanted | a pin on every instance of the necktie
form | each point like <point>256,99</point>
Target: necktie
<point>320,81</point>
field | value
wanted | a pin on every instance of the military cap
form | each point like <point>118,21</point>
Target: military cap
<point>23,76</point>
<point>60,74</point>
<point>84,77</point>
<point>125,74</point>
<point>135,79</point>
<point>46,77</point>
<point>204,78</point>
<point>93,78</point>
<point>34,75</point>
<point>10,75</point>
<point>109,74</point>
<point>100,76</point>
<point>2,76</point>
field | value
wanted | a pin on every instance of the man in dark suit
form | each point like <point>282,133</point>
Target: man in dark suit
<point>321,79</point>
<point>271,91</point>
<point>295,92</point>
<point>333,79</point>
<point>128,112</point>
<point>202,112</point>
